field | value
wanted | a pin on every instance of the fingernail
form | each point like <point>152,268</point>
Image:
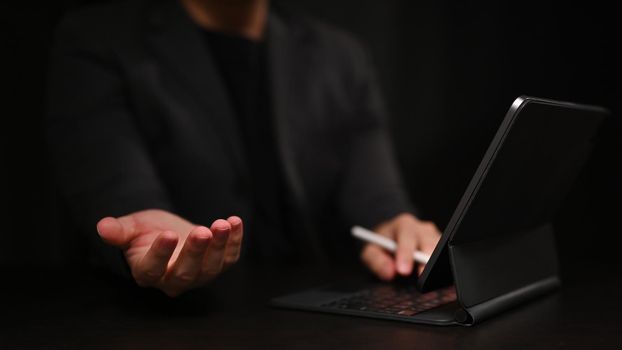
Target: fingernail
<point>203,233</point>
<point>221,224</point>
<point>221,235</point>
<point>404,267</point>
<point>234,220</point>
<point>201,241</point>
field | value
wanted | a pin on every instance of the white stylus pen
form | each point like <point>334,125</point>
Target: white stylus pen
<point>385,242</point>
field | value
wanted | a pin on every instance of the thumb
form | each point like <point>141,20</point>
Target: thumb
<point>116,232</point>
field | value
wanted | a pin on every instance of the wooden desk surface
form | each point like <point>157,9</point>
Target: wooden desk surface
<point>86,312</point>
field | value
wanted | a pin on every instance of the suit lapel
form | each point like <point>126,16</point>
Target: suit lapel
<point>179,43</point>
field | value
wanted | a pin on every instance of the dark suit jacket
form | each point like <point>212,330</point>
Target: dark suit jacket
<point>139,118</point>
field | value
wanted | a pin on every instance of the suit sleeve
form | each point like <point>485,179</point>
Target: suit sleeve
<point>101,165</point>
<point>372,190</point>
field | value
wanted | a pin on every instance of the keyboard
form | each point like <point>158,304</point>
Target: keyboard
<point>397,300</point>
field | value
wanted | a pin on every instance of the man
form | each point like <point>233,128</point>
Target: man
<point>163,114</point>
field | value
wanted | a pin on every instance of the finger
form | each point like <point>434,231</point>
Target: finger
<point>428,238</point>
<point>234,243</point>
<point>187,267</point>
<point>213,260</point>
<point>429,235</point>
<point>117,232</point>
<point>420,268</point>
<point>378,261</point>
<point>406,244</point>
<point>151,267</point>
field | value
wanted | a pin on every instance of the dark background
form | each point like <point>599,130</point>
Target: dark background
<point>449,71</point>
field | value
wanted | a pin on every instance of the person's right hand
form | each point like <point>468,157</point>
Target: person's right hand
<point>169,253</point>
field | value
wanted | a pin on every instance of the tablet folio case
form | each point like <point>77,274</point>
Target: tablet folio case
<point>504,254</point>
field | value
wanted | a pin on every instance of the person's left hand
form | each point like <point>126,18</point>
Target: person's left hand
<point>410,234</point>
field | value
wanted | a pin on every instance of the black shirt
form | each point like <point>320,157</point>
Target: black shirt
<point>243,66</point>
